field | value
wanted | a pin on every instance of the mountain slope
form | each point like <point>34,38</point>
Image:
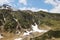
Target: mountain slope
<point>15,20</point>
<point>12,21</point>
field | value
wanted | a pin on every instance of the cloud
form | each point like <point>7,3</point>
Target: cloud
<point>3,1</point>
<point>6,2</point>
<point>23,2</point>
<point>56,9</point>
<point>33,9</point>
<point>51,2</point>
<point>55,4</point>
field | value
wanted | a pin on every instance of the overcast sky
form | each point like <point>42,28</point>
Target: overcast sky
<point>34,5</point>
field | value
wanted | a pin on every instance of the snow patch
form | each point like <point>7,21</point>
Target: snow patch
<point>18,39</point>
<point>1,36</point>
<point>27,33</point>
<point>15,19</point>
<point>36,29</point>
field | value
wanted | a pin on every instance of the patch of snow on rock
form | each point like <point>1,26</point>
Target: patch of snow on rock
<point>27,33</point>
